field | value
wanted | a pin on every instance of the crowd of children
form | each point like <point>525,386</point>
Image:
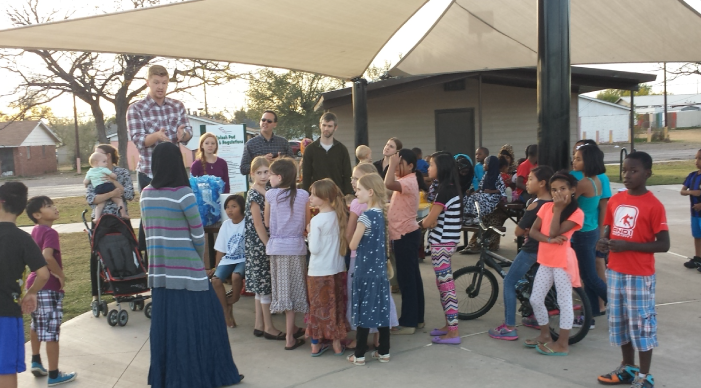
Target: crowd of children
<point>571,221</point>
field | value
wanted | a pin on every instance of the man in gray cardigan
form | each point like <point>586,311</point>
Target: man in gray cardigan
<point>327,158</point>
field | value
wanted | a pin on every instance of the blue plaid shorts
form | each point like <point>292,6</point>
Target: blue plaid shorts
<point>632,316</point>
<point>46,320</point>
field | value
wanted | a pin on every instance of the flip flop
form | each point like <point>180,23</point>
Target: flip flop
<point>321,351</point>
<point>258,333</point>
<point>549,351</point>
<point>438,332</point>
<point>528,344</point>
<point>343,350</point>
<point>280,337</point>
<point>298,333</point>
<point>447,341</point>
<point>299,342</point>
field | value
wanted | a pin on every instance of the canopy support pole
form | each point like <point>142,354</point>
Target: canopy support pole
<point>360,110</point>
<point>554,83</point>
<point>479,108</point>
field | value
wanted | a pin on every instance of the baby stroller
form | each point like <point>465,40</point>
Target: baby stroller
<point>120,269</point>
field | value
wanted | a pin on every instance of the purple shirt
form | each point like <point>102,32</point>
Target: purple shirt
<point>218,168</point>
<point>46,237</point>
<point>287,224</point>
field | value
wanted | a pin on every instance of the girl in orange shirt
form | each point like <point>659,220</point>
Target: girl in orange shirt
<point>553,228</point>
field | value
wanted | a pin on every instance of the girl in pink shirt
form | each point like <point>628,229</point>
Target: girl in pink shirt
<point>553,228</point>
<point>405,235</point>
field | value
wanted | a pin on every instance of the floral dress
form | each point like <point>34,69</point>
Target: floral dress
<point>257,262</point>
<point>488,202</point>
<point>370,300</point>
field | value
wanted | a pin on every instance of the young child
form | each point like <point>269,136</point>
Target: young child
<point>480,155</point>
<point>692,188</point>
<point>231,258</point>
<point>364,154</point>
<point>208,163</point>
<point>371,294</point>
<point>524,168</point>
<point>444,219</point>
<point>326,280</point>
<point>405,234</point>
<point>421,164</point>
<point>553,228</point>
<point>101,178</point>
<point>46,321</point>
<point>257,262</point>
<point>638,229</point>
<point>17,251</point>
<point>538,186</point>
<point>286,214</point>
<point>356,210</point>
<point>489,193</point>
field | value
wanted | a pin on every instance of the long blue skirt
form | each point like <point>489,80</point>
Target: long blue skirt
<point>189,343</point>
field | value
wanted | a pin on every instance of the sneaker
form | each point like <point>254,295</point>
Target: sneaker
<point>643,382</point>
<point>624,374</point>
<point>579,322</point>
<point>38,370</point>
<point>694,262</point>
<point>531,322</point>
<point>503,333</point>
<point>62,378</point>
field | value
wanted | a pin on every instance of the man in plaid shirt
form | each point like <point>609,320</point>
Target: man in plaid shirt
<point>156,119</point>
<point>266,144</point>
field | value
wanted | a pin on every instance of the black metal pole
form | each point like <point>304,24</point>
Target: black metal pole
<point>554,83</point>
<point>360,111</point>
<point>632,121</point>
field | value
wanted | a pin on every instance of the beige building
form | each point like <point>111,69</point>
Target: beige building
<point>442,112</point>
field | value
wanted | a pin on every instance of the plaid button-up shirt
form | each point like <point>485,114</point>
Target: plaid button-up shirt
<point>259,146</point>
<point>145,117</point>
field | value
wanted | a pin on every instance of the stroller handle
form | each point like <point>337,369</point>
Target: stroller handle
<point>85,222</point>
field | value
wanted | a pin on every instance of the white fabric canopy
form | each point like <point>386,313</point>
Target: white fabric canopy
<point>497,34</point>
<point>336,38</point>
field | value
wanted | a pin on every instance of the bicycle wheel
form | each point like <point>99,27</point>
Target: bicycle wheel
<point>477,291</point>
<point>581,307</point>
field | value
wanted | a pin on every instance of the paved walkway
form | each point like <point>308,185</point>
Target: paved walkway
<point>119,357</point>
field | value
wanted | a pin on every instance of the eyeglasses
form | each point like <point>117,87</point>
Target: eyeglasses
<point>266,121</point>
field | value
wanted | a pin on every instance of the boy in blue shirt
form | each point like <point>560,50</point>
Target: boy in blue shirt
<point>692,188</point>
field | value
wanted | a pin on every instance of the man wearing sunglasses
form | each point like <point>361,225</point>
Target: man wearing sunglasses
<point>266,144</point>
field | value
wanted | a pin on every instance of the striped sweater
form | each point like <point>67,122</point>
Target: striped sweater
<point>174,239</point>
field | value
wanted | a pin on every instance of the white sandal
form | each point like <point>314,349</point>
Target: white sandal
<point>356,360</point>
<point>380,357</point>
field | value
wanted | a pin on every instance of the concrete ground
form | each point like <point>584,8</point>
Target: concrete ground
<point>107,356</point>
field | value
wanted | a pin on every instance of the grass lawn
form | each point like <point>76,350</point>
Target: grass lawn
<point>70,209</point>
<point>76,265</point>
<point>662,173</point>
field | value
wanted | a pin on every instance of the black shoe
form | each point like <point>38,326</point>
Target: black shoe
<point>694,262</point>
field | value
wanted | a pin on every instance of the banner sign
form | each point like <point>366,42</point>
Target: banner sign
<point>232,141</point>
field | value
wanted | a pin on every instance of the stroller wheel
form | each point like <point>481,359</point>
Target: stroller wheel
<point>132,306</point>
<point>113,317</point>
<point>140,305</point>
<point>147,310</point>
<point>123,318</point>
<point>95,309</point>
<point>103,308</point>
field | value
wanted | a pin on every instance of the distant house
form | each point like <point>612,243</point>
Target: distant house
<point>27,148</point>
<point>187,150</point>
<point>684,110</point>
<point>603,121</point>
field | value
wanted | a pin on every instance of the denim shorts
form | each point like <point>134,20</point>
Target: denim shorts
<point>632,316</point>
<point>224,272</point>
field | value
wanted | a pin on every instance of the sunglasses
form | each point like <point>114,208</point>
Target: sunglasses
<point>266,121</point>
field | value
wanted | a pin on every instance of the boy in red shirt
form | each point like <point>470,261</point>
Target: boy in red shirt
<point>523,170</point>
<point>638,228</point>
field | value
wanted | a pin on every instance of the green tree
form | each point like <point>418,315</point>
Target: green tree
<point>241,116</point>
<point>612,95</point>
<point>292,95</point>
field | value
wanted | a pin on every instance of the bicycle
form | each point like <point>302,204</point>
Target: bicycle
<point>476,296</point>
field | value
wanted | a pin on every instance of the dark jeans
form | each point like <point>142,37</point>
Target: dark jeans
<point>584,245</point>
<point>406,254</point>
<point>144,181</point>
<point>361,341</point>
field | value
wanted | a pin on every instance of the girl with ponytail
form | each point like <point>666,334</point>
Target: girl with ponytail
<point>326,280</point>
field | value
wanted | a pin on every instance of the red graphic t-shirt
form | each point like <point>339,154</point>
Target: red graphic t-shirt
<point>634,218</point>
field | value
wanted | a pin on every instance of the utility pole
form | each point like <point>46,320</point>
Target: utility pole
<point>77,138</point>
<point>666,124</point>
<point>204,84</point>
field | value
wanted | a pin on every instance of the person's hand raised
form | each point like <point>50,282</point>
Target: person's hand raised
<point>394,160</point>
<point>561,200</point>
<point>163,135</point>
<point>181,133</point>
